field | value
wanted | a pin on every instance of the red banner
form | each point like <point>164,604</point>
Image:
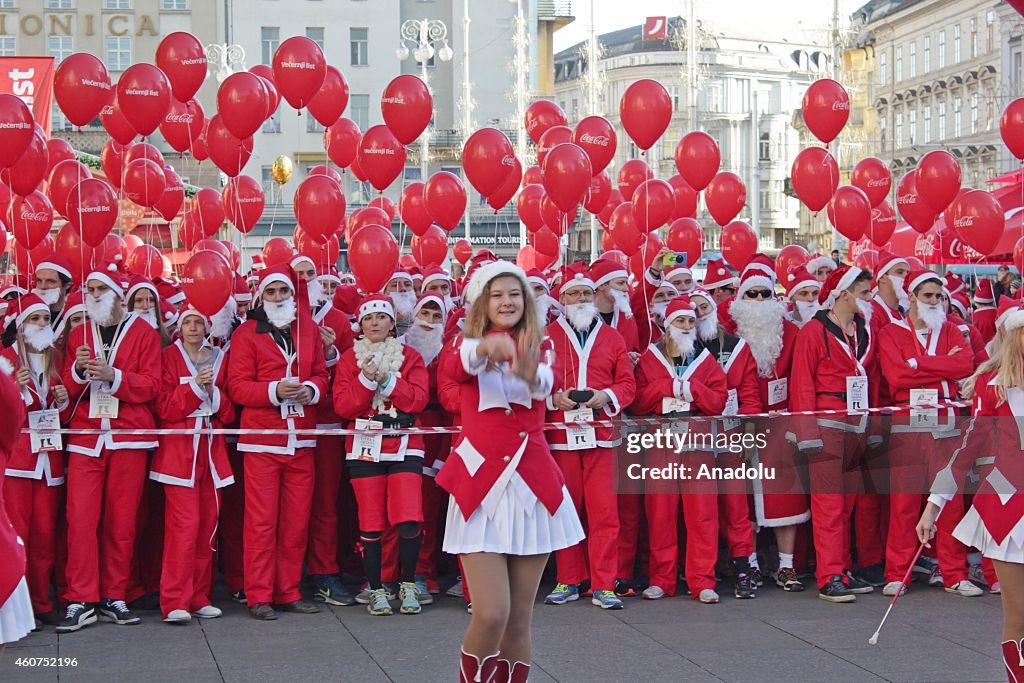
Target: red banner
<point>656,28</point>
<point>31,79</point>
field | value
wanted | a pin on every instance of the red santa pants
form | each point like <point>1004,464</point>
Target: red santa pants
<point>700,515</point>
<point>32,507</point>
<point>100,555</point>
<point>734,509</point>
<point>433,496</point>
<point>631,513</point>
<point>387,500</point>
<point>329,461</point>
<point>229,529</point>
<point>278,492</point>
<point>590,479</point>
<point>190,527</point>
<point>832,474</point>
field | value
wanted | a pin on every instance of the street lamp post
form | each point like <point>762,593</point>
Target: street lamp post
<point>418,38</point>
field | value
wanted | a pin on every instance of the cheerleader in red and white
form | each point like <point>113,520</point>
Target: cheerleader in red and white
<point>995,521</point>
<point>192,468</point>
<point>379,384</point>
<point>509,506</point>
<point>16,620</point>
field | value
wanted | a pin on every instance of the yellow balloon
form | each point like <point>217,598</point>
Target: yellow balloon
<point>282,169</point>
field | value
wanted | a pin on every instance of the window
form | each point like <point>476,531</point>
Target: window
<point>316,34</point>
<point>575,116</point>
<point>765,147</point>
<point>899,130</point>
<point>883,67</point>
<point>956,44</point>
<point>116,4</point>
<point>119,53</point>
<point>6,4</point>
<point>267,180</point>
<point>913,58</point>
<point>899,64</point>
<point>957,118</point>
<point>942,49</point>
<point>56,4</point>
<point>1018,68</point>
<point>412,174</point>
<point>312,125</point>
<point>974,38</point>
<point>990,21</point>
<point>974,113</point>
<point>59,47</point>
<point>882,122</point>
<point>359,39</point>
<point>273,124</point>
<point>173,4</point>
<point>359,110</point>
<point>270,38</point>
<point>927,54</point>
<point>912,126</point>
<point>942,121</point>
<point>673,92</point>
<point>927,137</point>
<point>7,48</point>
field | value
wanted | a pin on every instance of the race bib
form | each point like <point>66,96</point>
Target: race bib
<point>671,404</point>
<point>583,436</point>
<point>291,408</point>
<point>923,408</point>
<point>856,393</point>
<point>103,405</point>
<point>732,407</point>
<point>366,445</point>
<point>778,391</point>
<point>44,430</point>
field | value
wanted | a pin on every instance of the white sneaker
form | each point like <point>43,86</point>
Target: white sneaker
<point>893,586</point>
<point>708,597</point>
<point>208,612</point>
<point>178,616</point>
<point>456,591</point>
<point>936,577</point>
<point>653,593</point>
<point>965,588</point>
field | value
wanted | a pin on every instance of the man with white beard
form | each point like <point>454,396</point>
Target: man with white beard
<point>403,296</point>
<point>596,382</point>
<point>611,296</point>
<point>53,282</point>
<point>891,303</point>
<point>547,308</point>
<point>112,375</point>
<point>802,290</point>
<point>439,283</point>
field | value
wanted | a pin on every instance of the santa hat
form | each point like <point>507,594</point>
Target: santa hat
<point>681,305</point>
<point>961,303</point>
<point>242,293</point>
<point>983,292</point>
<point>170,291</point>
<point>12,288</point>
<point>820,261</point>
<point>108,274</point>
<point>55,262</point>
<point>665,284</point>
<point>570,280</point>
<point>19,311</point>
<point>280,273</point>
<point>918,278</point>
<point>1007,307</point>
<point>838,281</point>
<point>400,275</point>
<point>487,272</point>
<point>1014,319</point>
<point>751,279</point>
<point>251,279</point>
<point>798,278</point>
<point>483,256</point>
<point>169,313</point>
<point>718,275</point>
<point>187,310</point>
<point>138,282</point>
<point>427,299</point>
<point>329,273</point>
<point>535,276</point>
<point>435,274</point>
<point>762,264</point>
<point>416,274</point>
<point>888,261</point>
<point>300,258</point>
<point>954,283</point>
<point>604,270</point>
<point>346,299</point>
<point>673,271</point>
<point>376,303</point>
<point>75,303</point>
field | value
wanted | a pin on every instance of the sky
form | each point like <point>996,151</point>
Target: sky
<point>803,20</point>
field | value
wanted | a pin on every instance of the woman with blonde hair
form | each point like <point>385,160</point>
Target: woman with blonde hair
<point>509,506</point>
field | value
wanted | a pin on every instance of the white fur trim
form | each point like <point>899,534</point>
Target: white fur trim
<point>6,367</point>
<point>142,285</point>
<point>921,279</point>
<point>376,306</point>
<point>1014,320</point>
<point>751,281</point>
<point>534,280</point>
<point>272,278</point>
<point>107,280</point>
<point>431,278</point>
<point>610,276</point>
<point>487,272</point>
<point>845,282</point>
<point>890,265</point>
<point>820,262</point>
<point>49,265</point>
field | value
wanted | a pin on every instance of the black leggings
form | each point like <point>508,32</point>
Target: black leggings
<point>409,540</point>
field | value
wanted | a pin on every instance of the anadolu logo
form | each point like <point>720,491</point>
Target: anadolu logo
<point>878,182</point>
<point>298,65</point>
<point>601,140</point>
<point>397,99</point>
<point>143,92</point>
<point>841,105</point>
<point>95,84</point>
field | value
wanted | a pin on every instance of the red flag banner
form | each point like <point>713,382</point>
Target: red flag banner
<point>656,28</point>
<point>31,79</point>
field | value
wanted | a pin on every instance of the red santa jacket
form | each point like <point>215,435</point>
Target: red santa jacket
<point>601,364</point>
<point>780,372</point>
<point>725,316</point>
<point>502,432</point>
<point>183,404</point>
<point>12,569</point>
<point>406,391</point>
<point>881,317</point>
<point>256,365</point>
<point>627,328</point>
<point>985,321</point>
<point>135,358</point>
<point>23,463</point>
<point>329,316</point>
<point>972,336</point>
<point>640,302</point>
<point>435,446</point>
<point>734,356</point>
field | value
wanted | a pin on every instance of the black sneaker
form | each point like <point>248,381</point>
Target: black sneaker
<point>744,589</point>
<point>756,577</point>
<point>117,612</point>
<point>787,580</point>
<point>624,589</point>
<point>835,591</point>
<point>329,589</point>
<point>873,575</point>
<point>856,585</point>
<point>239,597</point>
<point>78,615</point>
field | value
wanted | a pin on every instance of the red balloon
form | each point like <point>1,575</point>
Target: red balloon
<point>183,59</point>
<point>381,156</point>
<point>445,199</point>
<point>209,209</point>
<point>725,196</point>
<point>115,123</point>
<point>624,230</point>
<point>319,206</point>
<point>273,96</point>
<point>322,254</point>
<point>16,129</point>
<point>198,149</point>
<point>872,176</point>
<point>299,70</point>
<point>242,103</point>
<point>529,258</point>
<point>790,256</point>
<point>684,198</point>
<point>183,124</point>
<point>605,215</point>
<point>938,179</point>
<point>94,210</point>
<point>212,245</point>
<point>977,218</point>
<point>143,150</point>
<point>815,177</point>
<point>373,257</point>
<point>545,241</point>
<point>276,251</point>
<point>112,248</point>
<point>652,204</point>
<point>112,161</point>
<point>341,140</point>
<point>406,106</point>
<point>68,243</point>
<point>133,242</point>
<point>407,261</point>
<point>331,99</point>
<point>369,215</point>
<point>207,281</point>
<point>234,253</point>
<point>81,85</point>
<point>228,153</point>
<point>556,219</point>
<point>143,182</point>
<point>145,260</point>
<point>598,193</point>
<point>59,150</point>
<point>31,217</point>
<point>645,110</point>
<point>503,195</point>
<point>430,248</point>
<point>631,175</point>
<point>849,211</point>
<point>323,169</point>
<point>488,158</point>
<point>29,170</point>
<point>595,136</point>
<point>913,209</point>
<point>528,207</point>
<point>412,208</point>
<point>867,259</point>
<point>738,243</point>
<point>567,174</point>
<point>144,95</point>
<point>639,262</point>
<point>697,159</point>
<point>462,250</point>
<point>173,197</point>
<point>826,108</point>
<point>883,224</point>
<point>915,263</point>
<point>190,230</point>
<point>243,202</point>
<point>65,176</point>
<point>1011,127</point>
<point>533,176</point>
<point>25,259</point>
<point>553,137</point>
<point>685,236</point>
<point>540,116</point>
<point>1018,255</point>
<point>3,242</point>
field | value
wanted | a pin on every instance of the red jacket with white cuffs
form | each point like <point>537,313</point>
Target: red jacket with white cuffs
<point>23,463</point>
<point>183,404</point>
<point>702,384</point>
<point>329,316</point>
<point>12,550</point>
<point>602,364</point>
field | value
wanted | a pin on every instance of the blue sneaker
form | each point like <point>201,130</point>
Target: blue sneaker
<point>606,600</point>
<point>562,594</point>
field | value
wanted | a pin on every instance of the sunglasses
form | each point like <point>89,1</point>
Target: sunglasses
<point>758,294</point>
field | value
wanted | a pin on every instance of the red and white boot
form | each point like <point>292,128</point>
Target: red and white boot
<point>1013,658</point>
<point>472,670</point>
<point>519,672</point>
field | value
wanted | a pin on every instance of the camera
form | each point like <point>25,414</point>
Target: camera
<point>677,258</point>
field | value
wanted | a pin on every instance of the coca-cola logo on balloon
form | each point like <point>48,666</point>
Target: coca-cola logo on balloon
<point>601,140</point>
<point>906,199</point>
<point>508,160</point>
<point>878,182</point>
<point>841,105</point>
<point>107,110</point>
<point>179,118</point>
<point>963,222</point>
<point>34,215</point>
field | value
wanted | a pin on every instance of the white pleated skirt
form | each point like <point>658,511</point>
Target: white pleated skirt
<point>16,617</point>
<point>971,531</point>
<point>520,525</point>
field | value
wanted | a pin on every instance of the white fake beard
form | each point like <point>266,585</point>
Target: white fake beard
<point>865,309</point>
<point>759,323</point>
<point>50,296</point>
<point>581,316</point>
<point>544,302</point>
<point>806,310</point>
<point>658,311</point>
<point>149,316</point>
<point>101,309</point>
<point>903,299</point>
<point>931,315</point>
<point>38,337</point>
<point>315,290</point>
<point>683,340</point>
<point>404,303</point>
<point>707,327</point>
<point>281,313</point>
<point>220,323</point>
<point>449,303</point>
<point>621,300</point>
<point>426,338</point>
